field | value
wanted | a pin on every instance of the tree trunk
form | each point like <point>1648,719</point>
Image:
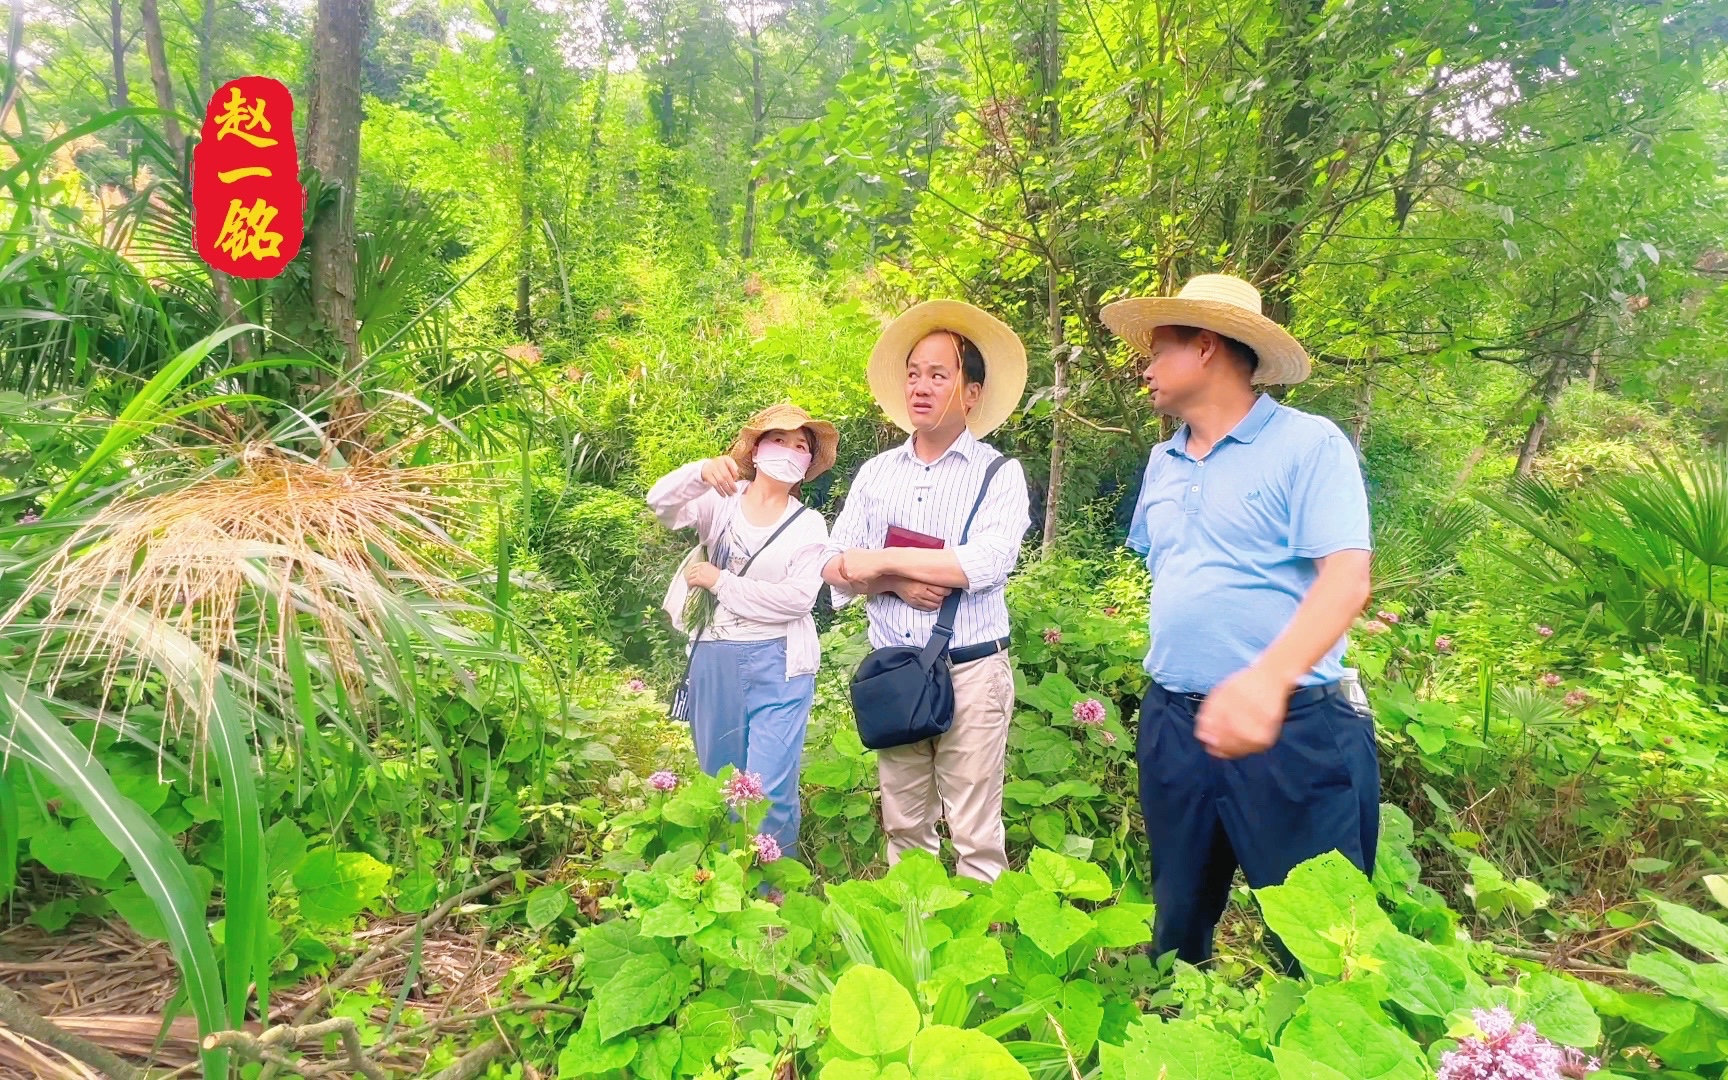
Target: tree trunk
<point>117,39</point>
<point>758,109</point>
<point>1364,401</point>
<point>1286,141</point>
<point>206,49</point>
<point>159,76</point>
<point>1556,382</point>
<point>333,149</point>
<point>220,283</point>
<point>1050,75</point>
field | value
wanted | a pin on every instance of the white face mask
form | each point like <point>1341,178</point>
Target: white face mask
<point>782,463</point>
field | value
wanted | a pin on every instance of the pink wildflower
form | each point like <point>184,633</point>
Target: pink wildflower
<point>767,848</point>
<point>636,686</point>
<point>1052,636</point>
<point>777,897</point>
<point>1545,631</point>
<point>664,780</point>
<point>1443,644</point>
<point>1090,711</point>
<point>1551,680</point>
<point>742,788</point>
<point>1375,626</point>
<point>29,517</point>
<point>1576,699</point>
<point>1387,617</point>
<point>1574,1065</point>
<point>1506,1050</point>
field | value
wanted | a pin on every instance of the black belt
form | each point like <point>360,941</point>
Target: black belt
<point>1301,698</point>
<point>977,652</point>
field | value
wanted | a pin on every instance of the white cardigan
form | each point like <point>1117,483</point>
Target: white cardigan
<point>783,583</point>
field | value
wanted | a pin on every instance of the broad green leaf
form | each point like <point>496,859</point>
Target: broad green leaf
<point>608,944</point>
<point>1340,1025</point>
<point>1704,1042</point>
<point>545,904</point>
<point>1068,877</point>
<point>695,805</point>
<point>1706,984</point>
<point>1081,1012</point>
<point>1423,979</point>
<point>1184,1050</point>
<point>77,847</point>
<point>284,847</point>
<point>673,919</point>
<point>951,1053</point>
<point>871,1013</point>
<point>335,885</point>
<point>1556,1008</point>
<point>1718,886</point>
<point>645,990</point>
<point>1051,923</point>
<point>1658,1012</point>
<point>584,1054</point>
<point>919,881</point>
<point>849,1069</point>
<point>1699,931</point>
<point>706,1028</point>
<point>657,1054</point>
<point>1324,905</point>
<point>1295,1065</point>
<point>970,959</point>
<point>1123,926</point>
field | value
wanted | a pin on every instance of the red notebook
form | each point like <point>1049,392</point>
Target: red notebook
<point>898,537</point>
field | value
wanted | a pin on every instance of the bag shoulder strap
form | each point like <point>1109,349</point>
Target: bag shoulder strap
<point>745,569</point>
<point>775,535</point>
<point>944,631</point>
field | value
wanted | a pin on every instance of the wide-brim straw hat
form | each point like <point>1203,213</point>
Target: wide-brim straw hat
<point>1224,305</point>
<point>786,417</point>
<point>1004,361</point>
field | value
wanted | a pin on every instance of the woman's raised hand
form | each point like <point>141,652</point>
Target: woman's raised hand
<point>721,474</point>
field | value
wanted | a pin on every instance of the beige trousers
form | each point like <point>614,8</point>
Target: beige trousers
<point>957,776</point>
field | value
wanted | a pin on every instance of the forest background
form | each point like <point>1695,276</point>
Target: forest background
<point>332,599</point>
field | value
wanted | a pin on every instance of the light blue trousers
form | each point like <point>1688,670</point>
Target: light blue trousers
<point>746,713</point>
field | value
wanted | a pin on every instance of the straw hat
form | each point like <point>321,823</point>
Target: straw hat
<point>1224,305</point>
<point>786,417</point>
<point>1004,361</point>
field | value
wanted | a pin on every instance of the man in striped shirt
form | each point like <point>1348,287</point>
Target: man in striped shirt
<point>946,373</point>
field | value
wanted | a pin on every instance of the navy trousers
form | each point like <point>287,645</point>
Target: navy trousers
<point>1316,789</point>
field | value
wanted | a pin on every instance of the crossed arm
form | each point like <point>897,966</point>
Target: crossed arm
<point>924,576</point>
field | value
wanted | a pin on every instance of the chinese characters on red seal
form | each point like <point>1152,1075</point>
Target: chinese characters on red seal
<point>248,209</point>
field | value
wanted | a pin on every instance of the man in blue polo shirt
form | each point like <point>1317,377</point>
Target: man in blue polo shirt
<point>1254,523</point>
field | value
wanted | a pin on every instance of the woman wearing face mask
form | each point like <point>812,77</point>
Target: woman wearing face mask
<point>753,669</point>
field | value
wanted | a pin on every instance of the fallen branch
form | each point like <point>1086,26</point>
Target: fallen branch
<point>462,1019</point>
<point>357,969</point>
<point>17,1014</point>
<point>1554,960</point>
<point>474,1062</point>
<point>264,1047</point>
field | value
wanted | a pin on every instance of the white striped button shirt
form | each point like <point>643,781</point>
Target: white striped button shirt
<point>896,488</point>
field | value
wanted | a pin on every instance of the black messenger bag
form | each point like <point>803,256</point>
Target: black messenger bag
<point>903,695</point>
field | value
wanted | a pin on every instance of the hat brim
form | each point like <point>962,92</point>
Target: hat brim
<point>822,455</point>
<point>1004,361</point>
<point>1283,361</point>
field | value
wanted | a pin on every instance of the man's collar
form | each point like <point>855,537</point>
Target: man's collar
<point>965,445</point>
<point>1255,422</point>
<point>1245,431</point>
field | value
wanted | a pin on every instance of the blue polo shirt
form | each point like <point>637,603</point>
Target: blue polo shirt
<point>1231,540</point>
